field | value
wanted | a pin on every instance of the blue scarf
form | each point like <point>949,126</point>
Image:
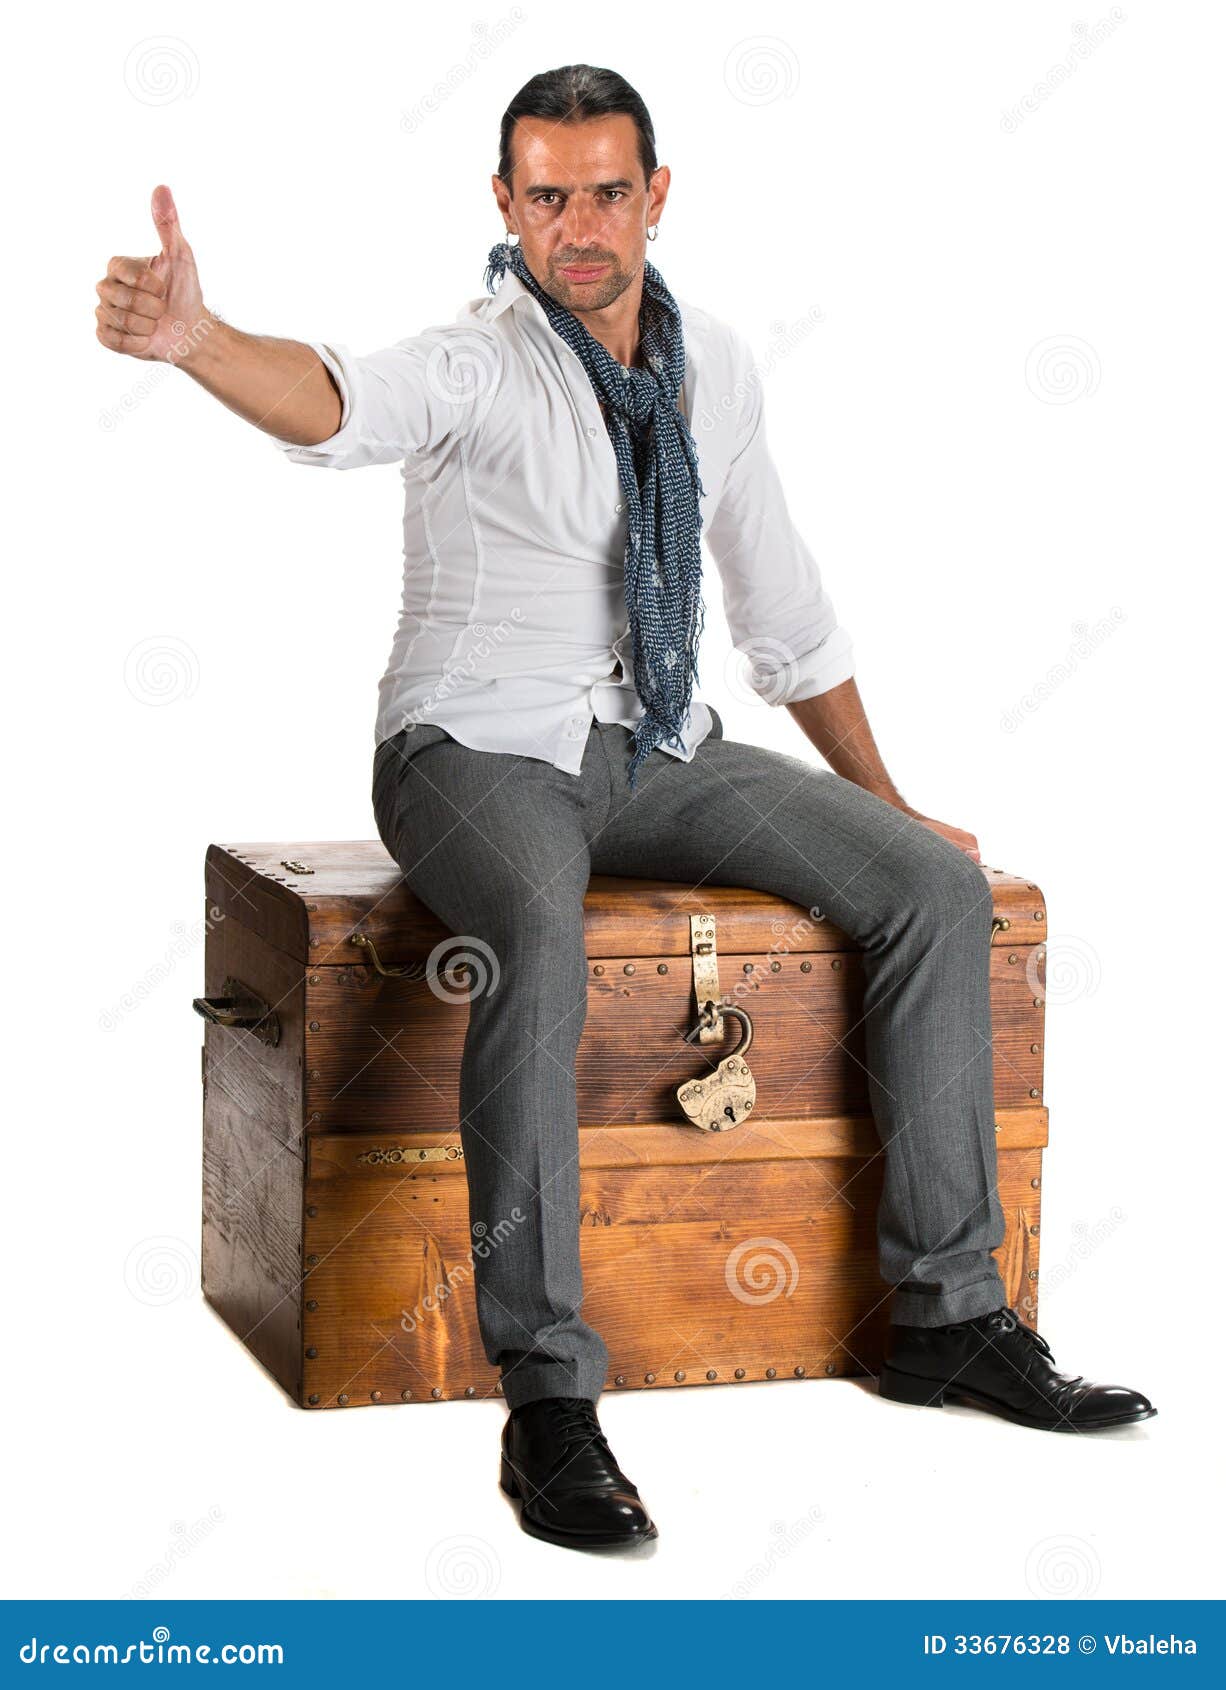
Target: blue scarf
<point>657,465</point>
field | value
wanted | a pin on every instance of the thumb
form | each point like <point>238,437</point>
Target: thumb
<point>166,222</point>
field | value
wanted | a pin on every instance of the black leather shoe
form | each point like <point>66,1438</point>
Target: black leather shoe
<point>557,1462</point>
<point>996,1363</point>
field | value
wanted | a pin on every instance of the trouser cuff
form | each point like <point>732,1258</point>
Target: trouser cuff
<point>982,1296</point>
<point>528,1381</point>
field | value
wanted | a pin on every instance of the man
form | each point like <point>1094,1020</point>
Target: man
<point>564,444</point>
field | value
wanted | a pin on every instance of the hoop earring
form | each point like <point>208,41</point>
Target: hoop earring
<point>507,238</point>
<point>654,234</point>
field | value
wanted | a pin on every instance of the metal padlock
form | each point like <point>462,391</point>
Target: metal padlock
<point>724,1097</point>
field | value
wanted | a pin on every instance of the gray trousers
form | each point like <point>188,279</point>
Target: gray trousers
<point>500,848</point>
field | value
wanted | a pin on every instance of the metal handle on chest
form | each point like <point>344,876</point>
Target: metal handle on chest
<point>238,1006</point>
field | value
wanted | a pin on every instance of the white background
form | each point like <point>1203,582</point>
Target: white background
<point>1025,547</point>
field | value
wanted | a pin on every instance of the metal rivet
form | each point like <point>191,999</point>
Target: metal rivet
<point>314,1074</point>
<point>376,1396</point>
<point>770,1373</point>
<point>775,967</point>
<point>599,968</point>
<point>436,1392</point>
<point>314,1397</point>
<point>1034,1231</point>
<point>314,941</point>
<point>1037,1002</point>
<point>620,1380</point>
<point>679,1374</point>
<point>998,1126</point>
<point>343,1398</point>
<point>314,1026</point>
<point>312,1261</point>
<point>312,1209</point>
<point>831,1367</point>
<point>498,1389</point>
<point>806,967</point>
<point>312,1353</point>
<point>405,1394</point>
<point>1012,956</point>
<point>837,963</point>
<point>1035,1184</point>
<point>312,1305</point>
<point>1034,1050</point>
<point>799,1372</point>
<point>747,968</point>
<point>628,968</point>
<point>470,1390</point>
<point>711,1373</point>
<point>661,968</point>
<point>1033,1274</point>
<point>740,1373</point>
<point>1034,1091</point>
<point>649,1378</point>
<point>312,909</point>
<point>1038,915</point>
<point>314,979</point>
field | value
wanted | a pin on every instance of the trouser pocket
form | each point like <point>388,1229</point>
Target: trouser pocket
<point>392,758</point>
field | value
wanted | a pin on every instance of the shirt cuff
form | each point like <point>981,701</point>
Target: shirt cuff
<point>817,671</point>
<point>327,452</point>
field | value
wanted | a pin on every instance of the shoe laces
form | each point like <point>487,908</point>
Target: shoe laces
<point>573,1420</point>
<point>1005,1320</point>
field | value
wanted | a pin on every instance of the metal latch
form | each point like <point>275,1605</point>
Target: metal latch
<point>396,1153</point>
<point>706,979</point>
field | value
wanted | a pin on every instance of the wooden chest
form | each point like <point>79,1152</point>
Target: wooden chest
<point>336,1236</point>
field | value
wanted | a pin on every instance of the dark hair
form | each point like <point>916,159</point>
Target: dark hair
<point>571,94</point>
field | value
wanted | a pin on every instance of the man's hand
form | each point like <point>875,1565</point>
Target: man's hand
<point>964,841</point>
<point>151,308</point>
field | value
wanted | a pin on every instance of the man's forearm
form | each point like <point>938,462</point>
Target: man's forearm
<point>280,386</point>
<point>836,723</point>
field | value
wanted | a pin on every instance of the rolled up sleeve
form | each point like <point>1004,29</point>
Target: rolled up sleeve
<point>779,612</point>
<point>408,398</point>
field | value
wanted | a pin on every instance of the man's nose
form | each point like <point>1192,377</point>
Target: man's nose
<point>583,227</point>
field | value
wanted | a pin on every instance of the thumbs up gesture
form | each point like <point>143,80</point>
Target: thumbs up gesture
<point>152,308</point>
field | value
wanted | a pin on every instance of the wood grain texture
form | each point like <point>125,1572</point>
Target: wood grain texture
<point>390,1051</point>
<point>690,1268</point>
<point>357,887</point>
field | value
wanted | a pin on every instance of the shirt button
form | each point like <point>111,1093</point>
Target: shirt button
<point>619,507</point>
<point>591,431</point>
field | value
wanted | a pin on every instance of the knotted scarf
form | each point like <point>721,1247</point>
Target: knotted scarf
<point>657,466</point>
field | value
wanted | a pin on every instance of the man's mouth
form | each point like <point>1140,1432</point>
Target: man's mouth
<point>583,272</point>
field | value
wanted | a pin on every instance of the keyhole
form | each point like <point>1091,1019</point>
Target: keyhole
<point>730,1112</point>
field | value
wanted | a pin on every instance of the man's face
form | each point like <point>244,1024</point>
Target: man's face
<point>581,207</point>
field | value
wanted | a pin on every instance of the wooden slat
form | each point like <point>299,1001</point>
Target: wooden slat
<point>356,886</point>
<point>687,1270</point>
<point>383,1050</point>
<point>334,1156</point>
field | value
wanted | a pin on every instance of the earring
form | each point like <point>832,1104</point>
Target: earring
<point>509,239</point>
<point>654,234</point>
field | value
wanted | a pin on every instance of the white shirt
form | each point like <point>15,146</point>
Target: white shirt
<point>513,620</point>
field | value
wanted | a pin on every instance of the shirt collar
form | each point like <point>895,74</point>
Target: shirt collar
<point>510,290</point>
